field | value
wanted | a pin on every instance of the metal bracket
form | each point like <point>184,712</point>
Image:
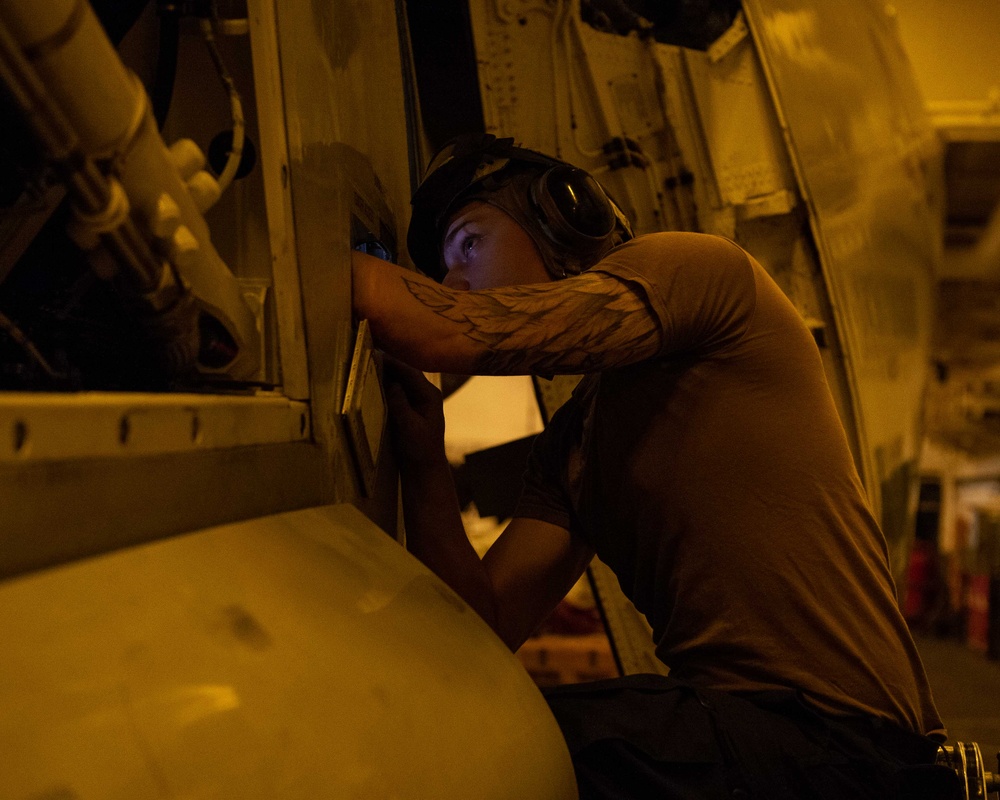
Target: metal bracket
<point>364,410</point>
<point>735,34</point>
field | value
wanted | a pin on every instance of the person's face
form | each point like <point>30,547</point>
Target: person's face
<point>485,248</point>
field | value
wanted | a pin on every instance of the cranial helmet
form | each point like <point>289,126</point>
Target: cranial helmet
<point>567,213</point>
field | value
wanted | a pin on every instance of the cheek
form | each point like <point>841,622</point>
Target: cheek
<point>454,279</point>
<point>488,269</point>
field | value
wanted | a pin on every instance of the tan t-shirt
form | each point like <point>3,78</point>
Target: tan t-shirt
<point>717,482</point>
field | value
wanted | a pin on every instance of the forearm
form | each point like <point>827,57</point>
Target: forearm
<point>436,536</point>
<point>402,325</point>
<point>588,323</point>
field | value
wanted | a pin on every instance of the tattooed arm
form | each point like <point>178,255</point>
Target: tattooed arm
<point>587,323</point>
<point>527,571</point>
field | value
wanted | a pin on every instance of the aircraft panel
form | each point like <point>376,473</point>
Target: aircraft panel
<point>868,164</point>
<point>345,113</point>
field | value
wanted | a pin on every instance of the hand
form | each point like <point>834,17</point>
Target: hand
<point>416,415</point>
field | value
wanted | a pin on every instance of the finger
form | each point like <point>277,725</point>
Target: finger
<point>419,391</point>
<point>395,397</point>
<point>402,408</point>
<point>401,370</point>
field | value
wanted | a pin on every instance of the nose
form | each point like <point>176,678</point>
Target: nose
<point>454,280</point>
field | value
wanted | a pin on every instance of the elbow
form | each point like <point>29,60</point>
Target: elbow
<point>490,614</point>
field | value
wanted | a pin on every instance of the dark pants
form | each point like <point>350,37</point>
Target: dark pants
<point>647,736</point>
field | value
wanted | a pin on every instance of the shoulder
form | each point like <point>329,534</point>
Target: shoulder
<point>701,288</point>
<point>680,261</point>
<point>678,248</point>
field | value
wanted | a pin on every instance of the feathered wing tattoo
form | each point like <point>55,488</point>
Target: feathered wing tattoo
<point>587,323</point>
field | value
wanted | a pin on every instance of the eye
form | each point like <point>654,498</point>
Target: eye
<point>468,243</point>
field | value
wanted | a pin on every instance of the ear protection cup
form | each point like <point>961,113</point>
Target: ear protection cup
<point>573,210</point>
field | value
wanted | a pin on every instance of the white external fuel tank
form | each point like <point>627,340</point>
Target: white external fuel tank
<point>300,655</point>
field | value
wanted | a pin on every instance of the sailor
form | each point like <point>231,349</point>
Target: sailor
<point>701,458</point>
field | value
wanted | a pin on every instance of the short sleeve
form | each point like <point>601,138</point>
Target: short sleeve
<point>700,287</point>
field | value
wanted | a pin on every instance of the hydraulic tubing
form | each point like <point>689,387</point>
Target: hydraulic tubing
<point>94,118</point>
<point>91,189</point>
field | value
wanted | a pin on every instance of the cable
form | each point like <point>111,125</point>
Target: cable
<point>560,31</point>
<point>236,105</point>
<point>558,15</point>
<point>21,339</point>
<point>166,62</point>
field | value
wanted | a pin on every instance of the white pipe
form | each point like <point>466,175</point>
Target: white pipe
<point>63,38</point>
<point>110,113</point>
